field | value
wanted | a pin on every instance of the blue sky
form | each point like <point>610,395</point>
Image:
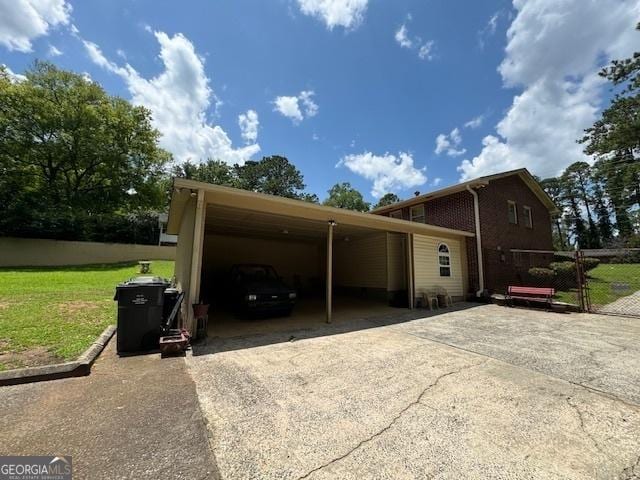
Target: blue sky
<point>390,96</point>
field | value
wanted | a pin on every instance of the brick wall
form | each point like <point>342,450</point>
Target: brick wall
<point>453,211</point>
<point>498,235</point>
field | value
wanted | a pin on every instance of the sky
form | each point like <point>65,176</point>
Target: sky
<point>398,96</point>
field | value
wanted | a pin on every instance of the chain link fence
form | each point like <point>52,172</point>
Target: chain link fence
<point>613,285</point>
<point>598,281</point>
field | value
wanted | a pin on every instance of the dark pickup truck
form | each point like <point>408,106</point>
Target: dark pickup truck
<point>258,290</point>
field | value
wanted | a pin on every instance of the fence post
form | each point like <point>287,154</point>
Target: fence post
<point>580,277</point>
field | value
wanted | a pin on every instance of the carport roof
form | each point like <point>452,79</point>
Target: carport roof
<point>270,204</point>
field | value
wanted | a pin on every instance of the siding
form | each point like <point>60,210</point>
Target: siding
<point>294,261</point>
<point>396,266</point>
<point>426,268</point>
<point>361,262</point>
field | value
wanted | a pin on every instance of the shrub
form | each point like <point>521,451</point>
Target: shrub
<point>590,263</point>
<point>563,268</point>
<point>542,275</point>
<point>565,274</point>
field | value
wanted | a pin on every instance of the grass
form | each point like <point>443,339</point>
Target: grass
<point>600,281</point>
<point>49,314</point>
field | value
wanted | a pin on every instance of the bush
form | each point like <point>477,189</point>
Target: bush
<point>542,275</point>
<point>590,263</point>
<point>563,268</point>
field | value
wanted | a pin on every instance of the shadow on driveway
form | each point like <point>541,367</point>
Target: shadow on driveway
<point>133,417</point>
<point>217,344</point>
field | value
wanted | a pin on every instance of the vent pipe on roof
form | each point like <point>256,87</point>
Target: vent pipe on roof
<point>476,213</point>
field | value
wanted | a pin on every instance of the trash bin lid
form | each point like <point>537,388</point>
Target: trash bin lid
<point>147,280</point>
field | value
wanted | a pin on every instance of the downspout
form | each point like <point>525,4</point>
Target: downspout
<point>476,213</point>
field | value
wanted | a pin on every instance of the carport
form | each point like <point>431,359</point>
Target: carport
<point>327,254</point>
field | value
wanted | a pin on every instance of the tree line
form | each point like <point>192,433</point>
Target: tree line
<point>79,164</point>
<point>600,203</point>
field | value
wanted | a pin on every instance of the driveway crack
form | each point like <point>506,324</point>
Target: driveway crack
<point>397,417</point>
<point>629,473</point>
<point>583,426</point>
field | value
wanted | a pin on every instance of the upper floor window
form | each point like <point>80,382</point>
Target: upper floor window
<point>444,260</point>
<point>513,212</point>
<point>528,217</point>
<point>396,214</point>
<point>416,214</point>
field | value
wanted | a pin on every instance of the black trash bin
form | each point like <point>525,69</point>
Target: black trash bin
<point>140,311</point>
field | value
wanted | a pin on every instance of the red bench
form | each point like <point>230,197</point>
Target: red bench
<point>530,294</point>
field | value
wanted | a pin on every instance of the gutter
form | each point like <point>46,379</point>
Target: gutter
<point>476,212</point>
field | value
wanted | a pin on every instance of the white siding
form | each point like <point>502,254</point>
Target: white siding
<point>427,270</point>
<point>397,262</point>
<point>361,262</point>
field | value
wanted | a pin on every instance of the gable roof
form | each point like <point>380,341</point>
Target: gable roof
<point>523,173</point>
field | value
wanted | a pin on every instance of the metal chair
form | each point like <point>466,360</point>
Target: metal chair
<point>428,297</point>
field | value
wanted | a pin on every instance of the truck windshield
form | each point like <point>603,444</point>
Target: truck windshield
<point>256,272</point>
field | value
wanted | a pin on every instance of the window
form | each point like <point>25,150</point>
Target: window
<point>513,212</point>
<point>416,214</point>
<point>444,260</point>
<point>528,218</point>
<point>396,214</point>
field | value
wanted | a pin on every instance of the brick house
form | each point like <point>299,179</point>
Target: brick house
<point>514,213</point>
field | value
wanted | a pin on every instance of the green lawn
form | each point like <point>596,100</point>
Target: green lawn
<point>600,280</point>
<point>52,314</point>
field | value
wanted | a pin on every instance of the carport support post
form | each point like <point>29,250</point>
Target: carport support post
<point>410,283</point>
<point>329,300</point>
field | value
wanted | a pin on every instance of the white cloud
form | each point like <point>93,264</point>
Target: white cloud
<point>493,23</point>
<point>310,107</point>
<point>54,51</point>
<point>475,122</point>
<point>387,172</point>
<point>179,98</point>
<point>121,53</point>
<point>554,52</point>
<point>335,13</point>
<point>402,38</point>
<point>297,108</point>
<point>490,29</point>
<point>436,181</point>
<point>14,77</point>
<point>249,124</point>
<point>449,144</point>
<point>288,106</point>
<point>21,21</point>
<point>425,50</point>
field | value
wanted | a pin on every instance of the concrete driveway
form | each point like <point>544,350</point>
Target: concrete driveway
<point>481,392</point>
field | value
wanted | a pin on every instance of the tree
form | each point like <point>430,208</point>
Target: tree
<point>387,199</point>
<point>614,140</point>
<point>211,171</point>
<point>343,195</point>
<point>70,152</point>
<point>577,181</point>
<point>273,175</point>
<point>553,187</point>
